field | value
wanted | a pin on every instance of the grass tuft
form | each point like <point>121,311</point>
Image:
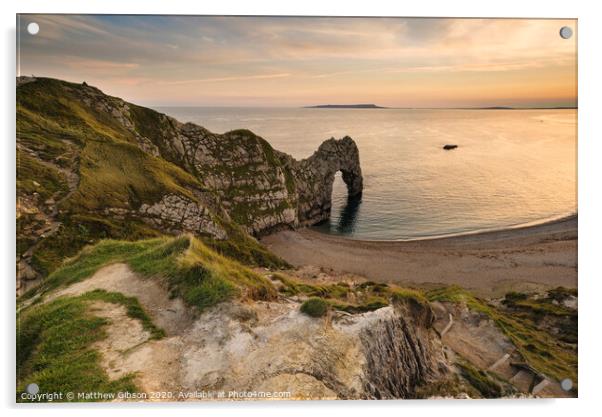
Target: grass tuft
<point>480,380</point>
<point>314,307</point>
<point>363,297</point>
<point>194,272</point>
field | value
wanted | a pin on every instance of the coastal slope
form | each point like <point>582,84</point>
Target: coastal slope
<point>136,242</point>
<point>92,166</point>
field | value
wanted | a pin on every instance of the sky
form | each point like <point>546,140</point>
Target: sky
<point>298,61</point>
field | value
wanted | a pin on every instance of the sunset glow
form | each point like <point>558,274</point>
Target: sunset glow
<point>294,61</point>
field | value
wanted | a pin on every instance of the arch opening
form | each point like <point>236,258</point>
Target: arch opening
<point>345,203</point>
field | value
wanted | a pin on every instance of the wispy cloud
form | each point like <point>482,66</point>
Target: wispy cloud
<point>98,64</point>
<point>235,78</point>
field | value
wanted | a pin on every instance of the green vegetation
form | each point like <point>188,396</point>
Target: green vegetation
<point>244,248</point>
<point>292,286</point>
<point>245,212</point>
<point>54,344</point>
<point>513,297</point>
<point>24,239</point>
<point>482,381</point>
<point>314,307</point>
<point>55,121</point>
<point>367,296</point>
<point>540,348</point>
<point>156,126</point>
<point>405,294</point>
<point>370,303</point>
<point>133,309</point>
<point>121,175</point>
<point>193,271</point>
<point>51,109</point>
<point>538,307</point>
<point>225,276</point>
<point>561,294</point>
<point>33,176</point>
<point>79,230</point>
<point>547,312</point>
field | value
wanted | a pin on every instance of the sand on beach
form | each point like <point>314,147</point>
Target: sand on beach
<point>490,263</point>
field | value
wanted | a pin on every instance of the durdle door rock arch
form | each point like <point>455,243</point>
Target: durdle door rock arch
<point>317,174</point>
<point>262,189</point>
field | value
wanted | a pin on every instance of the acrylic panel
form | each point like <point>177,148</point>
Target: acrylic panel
<point>218,208</point>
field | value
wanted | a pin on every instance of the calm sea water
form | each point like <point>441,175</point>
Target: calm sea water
<point>511,167</point>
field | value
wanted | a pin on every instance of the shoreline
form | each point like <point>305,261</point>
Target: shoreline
<point>518,226</point>
<point>489,262</point>
<point>547,227</point>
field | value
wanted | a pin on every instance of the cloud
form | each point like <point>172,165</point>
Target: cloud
<point>236,78</point>
<point>98,64</point>
<point>292,54</point>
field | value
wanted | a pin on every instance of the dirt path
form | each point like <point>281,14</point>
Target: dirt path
<point>172,315</point>
<point>127,347</point>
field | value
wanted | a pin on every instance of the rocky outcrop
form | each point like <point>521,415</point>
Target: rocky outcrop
<point>273,346</point>
<point>176,213</point>
<point>399,354</point>
<point>253,346</point>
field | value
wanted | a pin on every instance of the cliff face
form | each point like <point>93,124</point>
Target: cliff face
<point>92,166</point>
<point>281,349</point>
<point>401,353</point>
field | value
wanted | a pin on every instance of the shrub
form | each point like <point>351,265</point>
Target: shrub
<point>513,296</point>
<point>314,307</point>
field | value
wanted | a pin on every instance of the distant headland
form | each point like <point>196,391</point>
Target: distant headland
<point>345,106</point>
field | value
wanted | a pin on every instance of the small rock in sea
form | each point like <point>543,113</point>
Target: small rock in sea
<point>449,147</point>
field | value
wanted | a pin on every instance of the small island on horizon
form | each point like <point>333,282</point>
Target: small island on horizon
<point>345,106</point>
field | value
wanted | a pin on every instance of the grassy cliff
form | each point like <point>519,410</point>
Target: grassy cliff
<point>86,165</point>
<point>56,338</point>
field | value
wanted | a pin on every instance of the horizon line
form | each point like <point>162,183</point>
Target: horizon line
<point>319,107</point>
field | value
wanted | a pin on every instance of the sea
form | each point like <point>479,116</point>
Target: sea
<point>511,167</point>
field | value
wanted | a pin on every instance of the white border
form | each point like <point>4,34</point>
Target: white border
<point>590,207</point>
